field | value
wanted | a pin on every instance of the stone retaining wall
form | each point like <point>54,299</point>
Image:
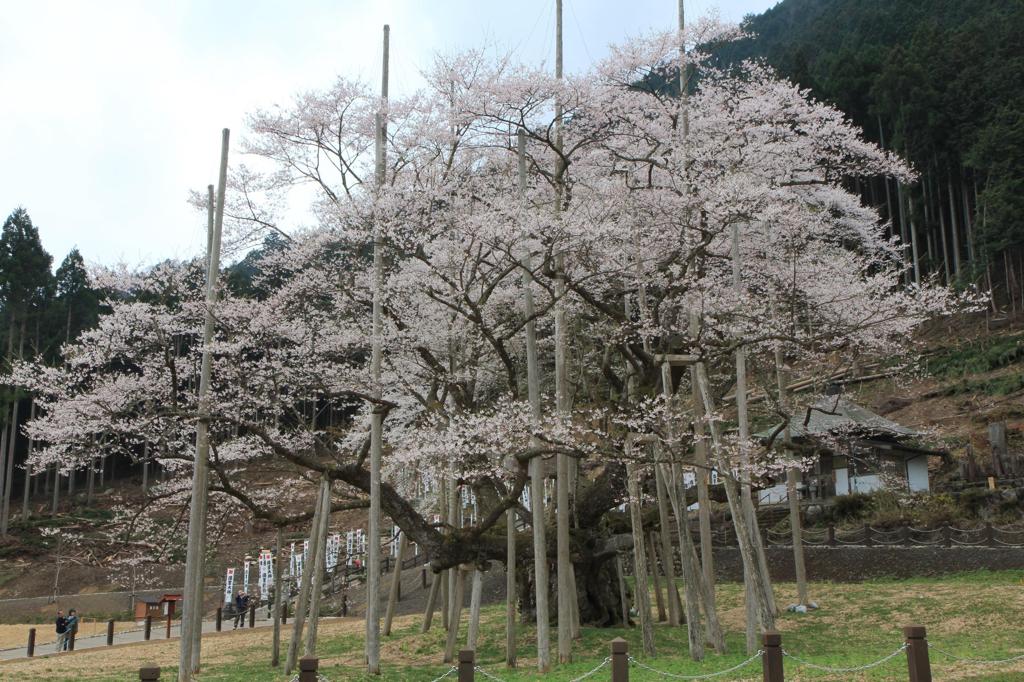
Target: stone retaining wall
<point>854,564</point>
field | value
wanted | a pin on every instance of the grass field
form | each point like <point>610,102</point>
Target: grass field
<point>975,615</point>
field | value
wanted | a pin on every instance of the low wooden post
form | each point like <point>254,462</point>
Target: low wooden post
<point>252,616</point>
<point>218,622</point>
<point>170,615</point>
<point>868,541</point>
<point>990,536</point>
<point>149,673</point>
<point>947,536</point>
<point>423,577</point>
<point>771,660</point>
<point>308,666</point>
<point>147,629</point>
<point>831,535</point>
<point>467,665</point>
<point>110,632</point>
<point>917,654</point>
<point>620,660</point>
<point>31,649</point>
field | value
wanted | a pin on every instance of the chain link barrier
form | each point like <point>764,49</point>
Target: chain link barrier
<point>706,676</point>
<point>854,669</point>
<point>976,661</point>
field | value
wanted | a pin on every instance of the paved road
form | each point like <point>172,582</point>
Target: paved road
<point>159,632</point>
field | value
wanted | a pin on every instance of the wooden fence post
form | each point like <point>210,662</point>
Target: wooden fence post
<point>831,535</point>
<point>219,619</point>
<point>423,577</point>
<point>917,654</point>
<point>868,541</point>
<point>620,660</point>
<point>147,629</point>
<point>990,536</point>
<point>31,643</point>
<point>252,616</point>
<point>308,666</point>
<point>150,673</point>
<point>771,659</point>
<point>110,632</point>
<point>467,665</point>
<point>947,536</point>
<point>170,614</point>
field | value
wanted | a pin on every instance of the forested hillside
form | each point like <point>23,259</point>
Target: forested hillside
<point>942,83</point>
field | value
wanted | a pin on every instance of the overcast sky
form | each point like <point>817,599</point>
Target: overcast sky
<point>112,110</point>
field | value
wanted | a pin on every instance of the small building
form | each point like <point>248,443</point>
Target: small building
<point>158,608</point>
<point>856,451</point>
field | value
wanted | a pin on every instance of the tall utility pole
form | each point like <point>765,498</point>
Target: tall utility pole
<point>377,417</point>
<point>565,581</point>
<point>538,517</point>
<point>192,609</point>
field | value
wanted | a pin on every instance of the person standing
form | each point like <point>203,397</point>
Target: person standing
<point>62,630</point>
<point>71,630</point>
<point>241,605</point>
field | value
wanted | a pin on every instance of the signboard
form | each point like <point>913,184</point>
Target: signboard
<point>229,586</point>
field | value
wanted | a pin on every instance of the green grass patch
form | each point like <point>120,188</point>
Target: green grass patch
<point>973,615</point>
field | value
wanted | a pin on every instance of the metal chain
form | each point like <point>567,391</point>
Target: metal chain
<point>446,674</point>
<point>978,661</point>
<point>854,669</point>
<point>487,674</point>
<point>592,672</point>
<point>698,677</point>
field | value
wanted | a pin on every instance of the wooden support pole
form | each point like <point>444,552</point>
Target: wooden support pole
<point>218,621</point>
<point>475,596</point>
<point>620,660</point>
<point>279,597</point>
<point>435,588</point>
<point>376,359</point>
<point>771,660</point>
<point>652,560</point>
<point>917,654</point>
<point>189,649</point>
<point>467,665</point>
<point>30,650</point>
<point>511,595</point>
<point>302,603</point>
<point>147,629</point>
<point>110,632</point>
<point>540,562</point>
<point>308,669</point>
<point>643,603</point>
<point>396,584</point>
<point>459,595</point>
<point>623,596</point>
<point>318,566</point>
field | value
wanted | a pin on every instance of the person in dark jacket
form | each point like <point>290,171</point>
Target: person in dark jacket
<point>71,631</point>
<point>241,606</point>
<point>62,630</point>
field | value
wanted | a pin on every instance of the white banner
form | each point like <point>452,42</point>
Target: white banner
<point>245,576</point>
<point>266,566</point>
<point>291,562</point>
<point>298,566</point>
<point>229,586</point>
<point>333,546</point>
<point>350,547</point>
